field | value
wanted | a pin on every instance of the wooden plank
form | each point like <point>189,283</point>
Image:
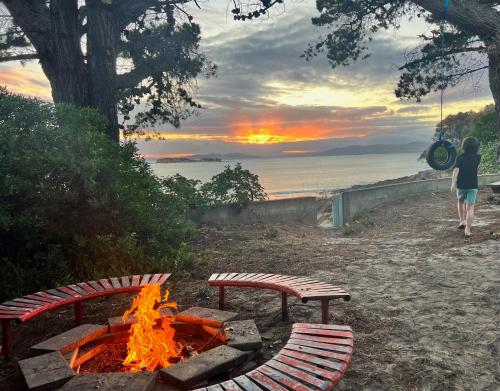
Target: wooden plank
<point>115,282</point>
<point>281,378</point>
<point>337,366</point>
<point>204,366</point>
<point>265,381</point>
<point>49,370</point>
<point>256,277</point>
<point>78,289</point>
<point>215,387</point>
<point>25,306</point>
<point>245,276</point>
<point>240,276</point>
<point>145,279</point>
<point>318,352</point>
<point>41,298</point>
<point>96,286</point>
<point>72,339</point>
<point>319,345</point>
<point>69,291</point>
<point>89,354</point>
<point>266,277</point>
<point>105,283</point>
<point>222,276</point>
<point>299,373</point>
<point>46,295</point>
<point>213,277</point>
<point>163,278</point>
<point>87,287</point>
<point>230,276</point>
<point>230,385</point>
<point>306,367</point>
<point>135,280</point>
<point>57,292</point>
<point>22,300</point>
<point>320,326</point>
<point>246,384</point>
<point>125,281</point>
<point>323,332</point>
<point>339,341</point>
<point>155,278</point>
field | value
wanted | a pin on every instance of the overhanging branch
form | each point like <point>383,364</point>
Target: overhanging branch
<point>19,57</point>
<point>437,56</point>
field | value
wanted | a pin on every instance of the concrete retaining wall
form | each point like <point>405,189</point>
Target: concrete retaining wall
<point>291,210</point>
<point>350,203</point>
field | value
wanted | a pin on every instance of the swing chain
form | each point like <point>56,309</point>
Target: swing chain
<point>442,86</point>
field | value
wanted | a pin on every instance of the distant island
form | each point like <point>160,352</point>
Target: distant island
<point>186,160</point>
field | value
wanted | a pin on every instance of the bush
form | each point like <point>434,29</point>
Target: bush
<point>489,164</point>
<point>76,205</point>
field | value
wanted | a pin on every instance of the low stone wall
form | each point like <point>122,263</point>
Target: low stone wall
<point>291,210</point>
<point>348,204</point>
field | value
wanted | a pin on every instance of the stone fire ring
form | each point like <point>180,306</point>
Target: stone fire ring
<point>54,367</point>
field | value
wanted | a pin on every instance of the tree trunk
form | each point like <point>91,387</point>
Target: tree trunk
<point>494,79</point>
<point>64,64</point>
<point>102,39</point>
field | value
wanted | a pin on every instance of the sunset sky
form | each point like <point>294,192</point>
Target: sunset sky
<point>268,101</point>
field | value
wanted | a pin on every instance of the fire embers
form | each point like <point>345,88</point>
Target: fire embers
<point>151,344</point>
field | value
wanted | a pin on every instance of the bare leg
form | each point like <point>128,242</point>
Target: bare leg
<point>462,212</point>
<point>470,218</point>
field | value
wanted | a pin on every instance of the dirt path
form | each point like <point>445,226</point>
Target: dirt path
<point>425,303</point>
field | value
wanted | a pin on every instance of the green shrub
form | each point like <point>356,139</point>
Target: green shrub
<point>76,205</point>
<point>489,164</point>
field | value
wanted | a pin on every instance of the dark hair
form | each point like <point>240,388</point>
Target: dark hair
<point>470,145</point>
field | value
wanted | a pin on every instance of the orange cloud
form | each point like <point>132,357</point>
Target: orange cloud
<point>26,81</point>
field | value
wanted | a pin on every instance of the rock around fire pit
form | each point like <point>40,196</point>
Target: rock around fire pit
<point>91,357</point>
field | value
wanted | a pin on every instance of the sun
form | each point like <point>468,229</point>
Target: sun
<point>261,136</point>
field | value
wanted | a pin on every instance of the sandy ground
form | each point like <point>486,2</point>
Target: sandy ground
<point>425,302</point>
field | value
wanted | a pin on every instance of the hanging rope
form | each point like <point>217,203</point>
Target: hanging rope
<point>441,30</point>
<point>451,152</point>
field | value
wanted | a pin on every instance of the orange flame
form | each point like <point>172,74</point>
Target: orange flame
<point>151,344</point>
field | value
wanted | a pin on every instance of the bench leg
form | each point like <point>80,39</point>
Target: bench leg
<point>324,310</point>
<point>6,339</point>
<point>284,306</point>
<point>78,313</point>
<point>221,297</point>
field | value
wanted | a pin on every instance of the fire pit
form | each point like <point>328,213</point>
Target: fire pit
<point>148,345</point>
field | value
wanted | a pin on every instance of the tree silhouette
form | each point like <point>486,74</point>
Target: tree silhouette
<point>111,55</point>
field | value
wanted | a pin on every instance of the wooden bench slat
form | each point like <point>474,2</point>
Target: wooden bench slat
<point>339,341</point>
<point>246,384</point>
<point>125,281</point>
<point>324,346</point>
<point>215,387</point>
<point>318,352</point>
<point>96,286</point>
<point>87,287</point>
<point>230,385</point>
<point>115,282</point>
<point>331,333</point>
<point>163,278</point>
<point>231,276</point>
<point>27,306</point>
<point>256,276</point>
<point>281,378</point>
<point>311,359</point>
<point>8,308</point>
<point>29,301</point>
<point>145,279</point>
<point>312,369</point>
<point>78,289</point>
<point>135,280</point>
<point>222,276</point>
<point>310,326</point>
<point>105,283</point>
<point>58,293</point>
<point>240,276</point>
<point>69,291</point>
<point>155,278</point>
<point>301,374</point>
<point>213,277</point>
<point>265,381</point>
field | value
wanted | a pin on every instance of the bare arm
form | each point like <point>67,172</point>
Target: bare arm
<point>454,179</point>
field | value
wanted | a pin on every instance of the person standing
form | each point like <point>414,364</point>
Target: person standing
<point>464,183</point>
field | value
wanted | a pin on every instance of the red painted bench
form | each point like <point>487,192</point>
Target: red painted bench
<point>302,287</point>
<point>315,357</point>
<point>29,306</point>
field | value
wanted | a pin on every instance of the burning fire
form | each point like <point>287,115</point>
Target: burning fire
<point>151,344</point>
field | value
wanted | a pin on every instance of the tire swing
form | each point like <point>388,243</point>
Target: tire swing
<point>442,154</point>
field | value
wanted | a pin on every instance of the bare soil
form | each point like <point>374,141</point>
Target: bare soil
<point>425,302</point>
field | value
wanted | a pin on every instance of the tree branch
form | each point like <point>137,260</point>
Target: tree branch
<point>447,53</point>
<point>20,57</point>
<point>473,16</point>
<point>139,73</point>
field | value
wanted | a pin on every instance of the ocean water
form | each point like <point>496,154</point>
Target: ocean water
<point>300,176</point>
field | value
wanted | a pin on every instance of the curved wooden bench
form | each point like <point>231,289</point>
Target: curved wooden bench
<point>302,287</point>
<point>30,306</point>
<point>315,357</point>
